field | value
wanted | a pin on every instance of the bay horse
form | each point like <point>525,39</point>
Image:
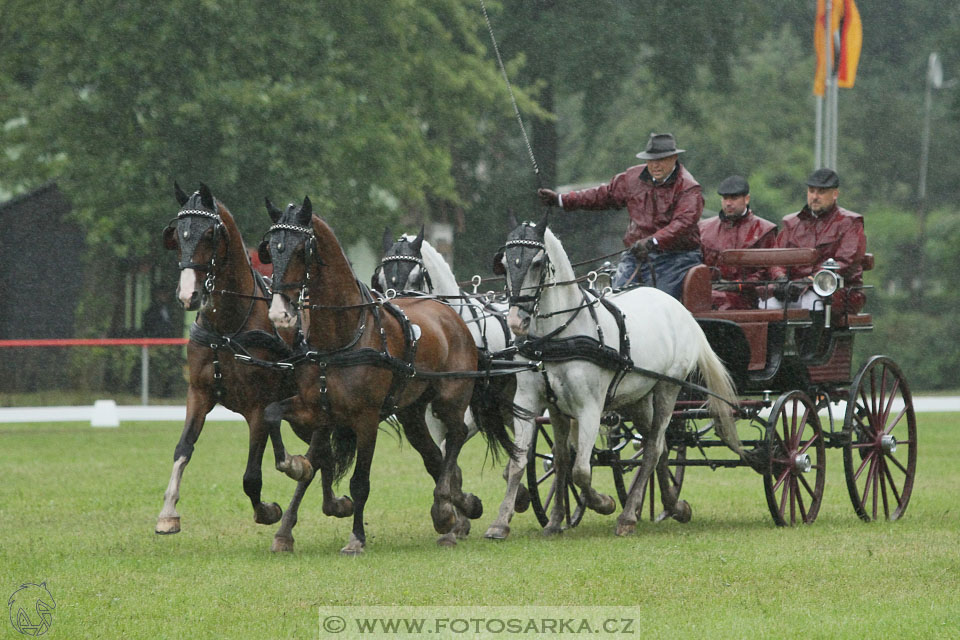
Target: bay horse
<point>411,265</point>
<point>364,360</point>
<point>596,369</point>
<point>232,347</point>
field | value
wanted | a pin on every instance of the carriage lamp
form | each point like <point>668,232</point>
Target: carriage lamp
<point>827,280</point>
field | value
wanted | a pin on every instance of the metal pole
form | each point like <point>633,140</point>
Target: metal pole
<point>828,73</point>
<point>144,375</point>
<point>925,140</point>
<point>818,136</point>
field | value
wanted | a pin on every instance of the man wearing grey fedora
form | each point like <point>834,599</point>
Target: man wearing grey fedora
<point>664,202</point>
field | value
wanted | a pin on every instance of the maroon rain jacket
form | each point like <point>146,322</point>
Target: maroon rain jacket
<point>746,232</point>
<point>668,212</point>
<point>836,234</point>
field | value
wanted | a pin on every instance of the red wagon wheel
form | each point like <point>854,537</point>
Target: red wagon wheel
<point>796,448</point>
<point>542,479</point>
<point>880,441</point>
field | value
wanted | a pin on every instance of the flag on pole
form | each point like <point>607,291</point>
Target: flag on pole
<point>844,46</point>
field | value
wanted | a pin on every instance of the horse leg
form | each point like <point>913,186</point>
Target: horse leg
<point>522,499</point>
<point>283,538</point>
<point>449,489</point>
<point>360,482</point>
<point>665,397</point>
<point>642,418</point>
<point>263,513</point>
<point>296,467</point>
<point>423,438</point>
<point>561,473</point>
<point>587,428</point>
<point>198,405</point>
<point>513,474</point>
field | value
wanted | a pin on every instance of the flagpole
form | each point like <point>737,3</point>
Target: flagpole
<point>828,127</point>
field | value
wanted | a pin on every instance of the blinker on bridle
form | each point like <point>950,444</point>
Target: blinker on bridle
<point>534,298</point>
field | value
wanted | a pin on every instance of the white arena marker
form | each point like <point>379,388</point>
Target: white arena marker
<point>105,414</point>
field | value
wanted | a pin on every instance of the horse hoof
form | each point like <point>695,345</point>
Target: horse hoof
<point>462,530</point>
<point>682,512</point>
<point>444,517</point>
<point>168,525</point>
<point>447,540</point>
<point>552,530</point>
<point>497,532</point>
<point>354,547</point>
<point>342,508</point>
<point>522,501</point>
<point>281,545</point>
<point>267,513</point>
<point>607,505</point>
<point>625,528</point>
<point>472,506</point>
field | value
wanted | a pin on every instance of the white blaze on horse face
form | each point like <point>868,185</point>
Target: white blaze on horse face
<point>188,286</point>
<point>281,312</point>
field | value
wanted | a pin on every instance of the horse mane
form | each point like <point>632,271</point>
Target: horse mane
<point>233,231</point>
<point>558,257</point>
<point>330,249</point>
<point>440,272</point>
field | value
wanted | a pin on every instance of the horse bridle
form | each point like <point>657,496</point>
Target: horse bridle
<point>417,260</point>
<point>192,243</point>
<point>529,302</point>
<point>280,267</point>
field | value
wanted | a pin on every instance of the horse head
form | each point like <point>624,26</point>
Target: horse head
<point>291,246</point>
<point>523,261</point>
<point>402,266</point>
<point>200,239</point>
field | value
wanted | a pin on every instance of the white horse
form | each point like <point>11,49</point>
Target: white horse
<point>663,338</point>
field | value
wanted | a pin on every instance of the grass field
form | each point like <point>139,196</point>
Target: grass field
<point>78,507</point>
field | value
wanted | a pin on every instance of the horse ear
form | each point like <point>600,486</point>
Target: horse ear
<point>387,240</point>
<point>542,226</point>
<point>170,238</point>
<point>418,241</point>
<point>179,194</point>
<point>206,197</point>
<point>498,268</point>
<point>263,252</point>
<point>272,210</point>
<point>306,212</point>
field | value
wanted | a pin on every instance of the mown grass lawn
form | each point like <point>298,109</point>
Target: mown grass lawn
<point>78,507</point>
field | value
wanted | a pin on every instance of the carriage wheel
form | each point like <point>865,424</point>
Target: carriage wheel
<point>880,441</point>
<point>796,449</point>
<point>541,479</point>
<point>629,465</point>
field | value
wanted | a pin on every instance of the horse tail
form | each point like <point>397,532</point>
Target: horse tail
<point>343,444</point>
<point>717,379</point>
<point>489,405</point>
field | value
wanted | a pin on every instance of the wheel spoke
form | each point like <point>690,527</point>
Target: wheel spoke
<point>866,460</point>
<point>866,485</point>
<point>893,484</point>
<point>803,511</point>
<point>890,427</point>
<point>813,439</point>
<point>883,487</point>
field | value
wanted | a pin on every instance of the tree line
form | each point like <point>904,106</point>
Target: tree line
<point>395,113</point>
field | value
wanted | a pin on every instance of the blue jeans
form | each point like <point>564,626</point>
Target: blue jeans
<point>669,268</point>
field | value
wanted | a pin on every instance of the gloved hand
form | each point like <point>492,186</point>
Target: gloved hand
<point>641,248</point>
<point>777,289</point>
<point>548,197</point>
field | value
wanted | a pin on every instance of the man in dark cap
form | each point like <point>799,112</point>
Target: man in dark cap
<point>664,202</point>
<point>735,228</point>
<point>835,233</point>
